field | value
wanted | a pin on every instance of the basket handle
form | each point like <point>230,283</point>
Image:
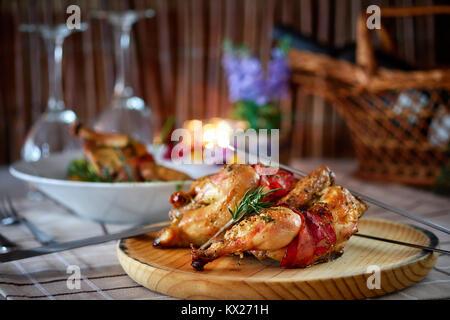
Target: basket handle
<point>365,56</point>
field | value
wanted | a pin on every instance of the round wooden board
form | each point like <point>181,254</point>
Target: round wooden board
<point>168,271</point>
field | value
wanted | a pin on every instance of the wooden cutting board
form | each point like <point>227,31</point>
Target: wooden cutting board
<point>168,271</point>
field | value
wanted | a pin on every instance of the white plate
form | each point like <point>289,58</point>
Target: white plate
<point>119,202</point>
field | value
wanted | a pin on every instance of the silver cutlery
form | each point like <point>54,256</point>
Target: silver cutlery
<point>6,217</point>
<point>11,216</point>
<point>63,246</point>
<point>6,245</point>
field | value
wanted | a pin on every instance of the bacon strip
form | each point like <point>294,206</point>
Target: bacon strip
<point>283,180</point>
<point>315,241</point>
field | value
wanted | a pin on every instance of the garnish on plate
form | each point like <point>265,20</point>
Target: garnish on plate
<point>81,170</point>
<point>115,157</point>
<point>252,202</point>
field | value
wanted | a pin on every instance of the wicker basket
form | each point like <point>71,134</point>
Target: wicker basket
<point>391,114</point>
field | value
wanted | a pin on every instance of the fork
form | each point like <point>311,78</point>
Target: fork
<point>11,216</point>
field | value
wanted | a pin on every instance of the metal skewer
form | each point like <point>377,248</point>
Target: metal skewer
<point>412,245</point>
<point>380,204</point>
<point>218,233</point>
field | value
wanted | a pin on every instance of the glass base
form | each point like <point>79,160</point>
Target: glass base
<point>50,134</point>
<point>136,121</point>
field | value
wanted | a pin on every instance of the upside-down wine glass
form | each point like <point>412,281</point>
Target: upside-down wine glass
<point>126,112</point>
<point>50,134</point>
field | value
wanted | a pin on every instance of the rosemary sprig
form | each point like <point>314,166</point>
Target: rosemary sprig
<point>251,202</point>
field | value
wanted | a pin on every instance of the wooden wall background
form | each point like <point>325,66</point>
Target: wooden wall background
<point>176,60</point>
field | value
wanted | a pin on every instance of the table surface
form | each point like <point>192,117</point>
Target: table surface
<point>49,277</point>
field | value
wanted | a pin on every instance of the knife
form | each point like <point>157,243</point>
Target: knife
<point>63,246</point>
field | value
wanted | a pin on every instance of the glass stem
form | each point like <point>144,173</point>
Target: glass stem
<point>122,87</point>
<point>55,93</point>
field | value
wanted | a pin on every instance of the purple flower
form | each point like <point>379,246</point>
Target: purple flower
<point>247,80</point>
<point>278,75</point>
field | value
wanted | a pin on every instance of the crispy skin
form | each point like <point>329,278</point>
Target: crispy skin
<point>346,210</point>
<point>276,255</point>
<point>307,189</point>
<point>270,237</point>
<point>204,209</point>
<point>273,229</point>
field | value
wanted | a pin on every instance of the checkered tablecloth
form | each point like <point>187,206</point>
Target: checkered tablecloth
<point>48,277</point>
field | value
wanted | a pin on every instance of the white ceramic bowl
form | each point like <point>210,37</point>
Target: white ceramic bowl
<point>120,202</point>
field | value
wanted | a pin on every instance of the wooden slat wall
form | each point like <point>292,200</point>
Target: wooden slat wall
<point>176,60</point>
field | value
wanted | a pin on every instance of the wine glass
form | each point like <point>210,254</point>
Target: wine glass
<point>50,134</point>
<point>126,112</point>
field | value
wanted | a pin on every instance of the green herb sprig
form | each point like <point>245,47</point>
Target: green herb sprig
<point>253,201</point>
<point>82,169</point>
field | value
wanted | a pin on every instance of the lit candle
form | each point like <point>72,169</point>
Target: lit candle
<point>215,134</point>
